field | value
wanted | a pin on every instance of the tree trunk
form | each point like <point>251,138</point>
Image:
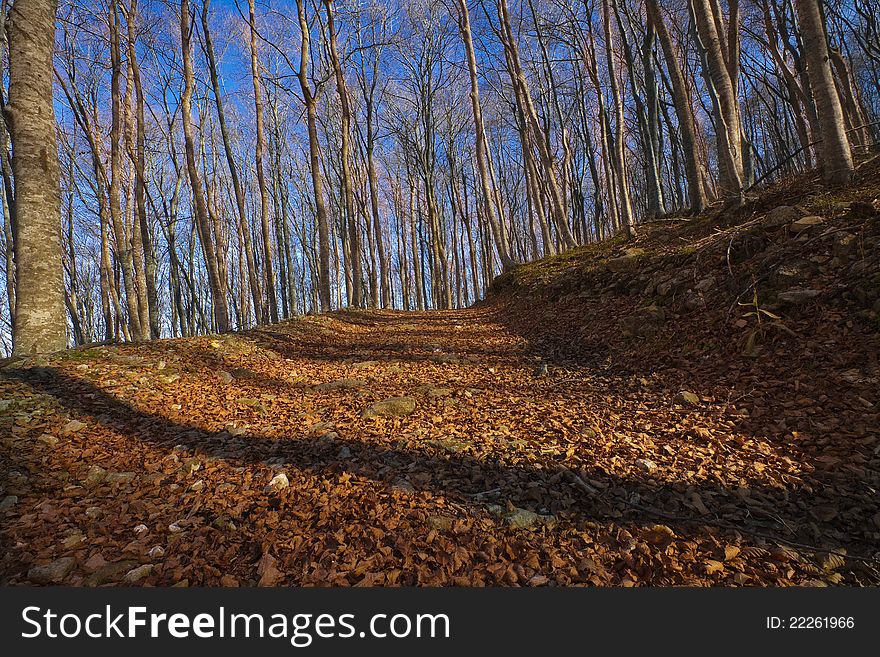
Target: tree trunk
<point>150,265</point>
<point>837,164</point>
<point>683,111</point>
<point>727,116</point>
<point>218,289</point>
<point>464,26</point>
<point>314,161</point>
<point>243,228</point>
<point>618,152</point>
<point>40,321</point>
<point>354,242</point>
<point>268,255</point>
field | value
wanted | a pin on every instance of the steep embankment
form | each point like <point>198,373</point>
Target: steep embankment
<point>605,418</point>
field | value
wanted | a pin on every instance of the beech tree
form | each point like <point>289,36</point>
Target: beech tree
<point>837,162</point>
<point>40,321</point>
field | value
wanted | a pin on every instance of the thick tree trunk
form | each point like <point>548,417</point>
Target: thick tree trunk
<point>707,17</point>
<point>837,163</point>
<point>40,319</point>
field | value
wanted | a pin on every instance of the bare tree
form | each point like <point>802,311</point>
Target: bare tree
<point>837,161</point>
<point>40,321</point>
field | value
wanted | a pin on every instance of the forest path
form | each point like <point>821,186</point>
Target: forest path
<point>392,448</point>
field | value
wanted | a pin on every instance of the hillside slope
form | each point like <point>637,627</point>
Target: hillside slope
<point>612,416</point>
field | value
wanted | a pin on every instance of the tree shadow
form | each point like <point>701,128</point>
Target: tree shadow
<point>466,479</point>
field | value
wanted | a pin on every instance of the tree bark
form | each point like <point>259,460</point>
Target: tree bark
<point>243,228</point>
<point>314,160</point>
<point>354,242</point>
<point>218,289</point>
<point>727,115</point>
<point>683,111</point>
<point>837,164</point>
<point>40,320</point>
<point>268,255</point>
<point>464,26</point>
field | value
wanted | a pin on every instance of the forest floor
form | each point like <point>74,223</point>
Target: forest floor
<point>612,416</point>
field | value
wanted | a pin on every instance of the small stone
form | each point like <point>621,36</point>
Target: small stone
<point>780,216</point>
<point>8,502</point>
<point>52,573</point>
<point>243,373</point>
<point>686,398</point>
<point>94,513</point>
<point>365,365</point>
<point>156,552</point>
<point>17,482</point>
<point>135,575</point>
<point>665,287</point>
<point>197,485</point>
<point>646,465</point>
<point>797,296</point>
<point>175,527</point>
<point>73,426</point>
<point>120,477</point>
<point>72,538</point>
<point>344,453</point>
<point>391,407</point>
<point>518,518</point>
<point>96,475</point>
<point>112,572</point>
<point>170,378</point>
<point>845,244</point>
<point>278,482</point>
<point>342,384</point>
<point>402,485</point>
<point>438,393</point>
<point>440,523</point>
<point>224,376</point>
<point>94,563</point>
<point>451,445</point>
<point>141,529</point>
<point>807,222</point>
<point>625,262</point>
<point>48,438</point>
<point>223,523</point>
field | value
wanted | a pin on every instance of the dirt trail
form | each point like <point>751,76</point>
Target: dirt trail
<point>161,463</point>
